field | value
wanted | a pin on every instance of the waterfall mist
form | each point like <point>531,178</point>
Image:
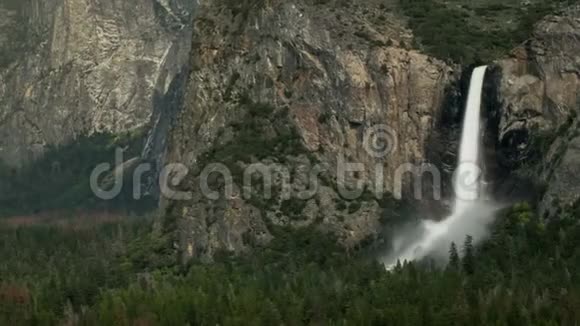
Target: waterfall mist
<point>471,214</point>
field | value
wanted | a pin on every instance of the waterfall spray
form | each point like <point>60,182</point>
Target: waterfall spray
<point>469,216</point>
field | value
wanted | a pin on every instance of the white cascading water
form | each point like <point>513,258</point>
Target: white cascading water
<point>467,189</point>
<point>437,236</point>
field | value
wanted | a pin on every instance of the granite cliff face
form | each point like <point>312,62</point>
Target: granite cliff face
<point>85,66</point>
<point>317,76</point>
<point>539,93</point>
<point>288,85</point>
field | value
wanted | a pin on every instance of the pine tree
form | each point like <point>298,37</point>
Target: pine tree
<point>468,256</point>
<point>398,267</point>
<point>453,256</point>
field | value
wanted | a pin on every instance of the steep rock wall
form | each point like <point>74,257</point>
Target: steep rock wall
<point>331,72</point>
<point>539,101</point>
<point>88,66</point>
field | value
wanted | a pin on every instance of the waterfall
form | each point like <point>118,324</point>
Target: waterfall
<point>466,188</point>
<point>469,215</point>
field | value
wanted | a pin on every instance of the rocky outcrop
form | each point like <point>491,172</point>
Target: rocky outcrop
<point>88,66</point>
<point>329,74</point>
<point>538,95</point>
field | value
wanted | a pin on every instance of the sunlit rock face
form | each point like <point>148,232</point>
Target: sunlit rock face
<point>83,66</point>
<point>336,70</point>
<point>539,102</point>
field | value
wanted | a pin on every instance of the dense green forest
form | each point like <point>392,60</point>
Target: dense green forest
<point>59,180</point>
<point>119,273</point>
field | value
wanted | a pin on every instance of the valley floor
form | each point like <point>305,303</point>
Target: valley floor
<point>120,273</point>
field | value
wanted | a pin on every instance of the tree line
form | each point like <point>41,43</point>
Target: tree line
<point>525,273</point>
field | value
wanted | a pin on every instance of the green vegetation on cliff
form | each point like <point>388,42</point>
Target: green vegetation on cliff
<point>474,31</point>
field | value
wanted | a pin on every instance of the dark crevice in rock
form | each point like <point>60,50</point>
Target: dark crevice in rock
<point>505,154</point>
